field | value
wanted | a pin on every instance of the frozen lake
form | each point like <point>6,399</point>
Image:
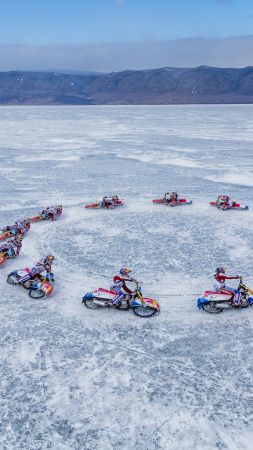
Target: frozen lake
<point>71,378</point>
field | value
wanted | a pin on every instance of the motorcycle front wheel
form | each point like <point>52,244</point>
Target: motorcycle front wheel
<point>212,308</point>
<point>144,311</point>
<point>36,293</point>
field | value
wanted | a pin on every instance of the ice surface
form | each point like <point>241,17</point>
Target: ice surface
<point>71,378</point>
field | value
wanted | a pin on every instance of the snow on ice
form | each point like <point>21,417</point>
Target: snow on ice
<point>71,378</point>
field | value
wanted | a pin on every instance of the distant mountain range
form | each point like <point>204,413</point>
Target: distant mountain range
<point>163,86</point>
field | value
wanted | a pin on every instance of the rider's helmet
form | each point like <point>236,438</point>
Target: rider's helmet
<point>173,195</point>
<point>220,270</point>
<point>26,223</point>
<point>18,241</point>
<point>49,258</point>
<point>222,199</point>
<point>170,196</point>
<point>59,208</point>
<point>125,271</point>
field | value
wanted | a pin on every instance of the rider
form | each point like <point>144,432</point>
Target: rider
<point>224,202</point>
<point>51,212</point>
<point>44,264</point>
<point>170,198</point>
<point>12,247</point>
<point>119,286</point>
<point>220,278</point>
<point>19,228</point>
<point>110,202</point>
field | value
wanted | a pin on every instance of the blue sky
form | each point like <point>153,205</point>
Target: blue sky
<point>87,21</point>
<point>107,24</point>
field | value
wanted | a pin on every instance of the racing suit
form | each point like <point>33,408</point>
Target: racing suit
<point>220,286</point>
<point>37,270</point>
<point>170,199</point>
<point>50,213</point>
<point>119,287</point>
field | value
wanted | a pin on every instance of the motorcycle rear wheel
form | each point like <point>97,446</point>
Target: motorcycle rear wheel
<point>89,303</point>
<point>28,284</point>
<point>212,308</point>
<point>142,311</point>
<point>36,293</point>
<point>11,279</point>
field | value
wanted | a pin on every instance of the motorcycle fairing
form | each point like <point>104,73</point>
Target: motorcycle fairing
<point>212,296</point>
<point>145,302</point>
<point>101,293</point>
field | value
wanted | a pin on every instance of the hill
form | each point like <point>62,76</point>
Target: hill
<point>167,85</point>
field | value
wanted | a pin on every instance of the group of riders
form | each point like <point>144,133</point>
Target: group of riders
<point>12,244</point>
<point>111,202</point>
<point>121,288</point>
<point>170,198</point>
<point>222,202</point>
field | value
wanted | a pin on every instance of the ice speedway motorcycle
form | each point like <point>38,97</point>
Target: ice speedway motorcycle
<point>38,288</point>
<point>13,232</point>
<point>107,203</point>
<point>215,302</point>
<point>7,254</point>
<point>49,213</point>
<point>103,298</point>
<point>234,205</point>
<point>180,201</point>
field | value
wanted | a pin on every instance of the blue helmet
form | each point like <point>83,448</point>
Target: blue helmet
<point>220,270</point>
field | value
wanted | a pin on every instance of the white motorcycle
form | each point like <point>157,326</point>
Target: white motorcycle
<point>215,302</point>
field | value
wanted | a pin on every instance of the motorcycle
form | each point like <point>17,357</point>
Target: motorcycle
<point>46,215</point>
<point>142,307</point>
<point>181,201</point>
<point>101,205</point>
<point>235,205</point>
<point>15,232</point>
<point>215,302</point>
<point>7,254</point>
<point>38,288</point>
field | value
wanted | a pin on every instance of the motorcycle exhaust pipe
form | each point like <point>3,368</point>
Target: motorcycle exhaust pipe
<point>99,302</point>
<point>223,305</point>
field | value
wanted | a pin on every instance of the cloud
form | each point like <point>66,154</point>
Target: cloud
<point>191,52</point>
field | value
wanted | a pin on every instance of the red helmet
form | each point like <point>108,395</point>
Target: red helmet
<point>26,223</point>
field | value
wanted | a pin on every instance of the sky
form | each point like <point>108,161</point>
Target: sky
<point>111,35</point>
